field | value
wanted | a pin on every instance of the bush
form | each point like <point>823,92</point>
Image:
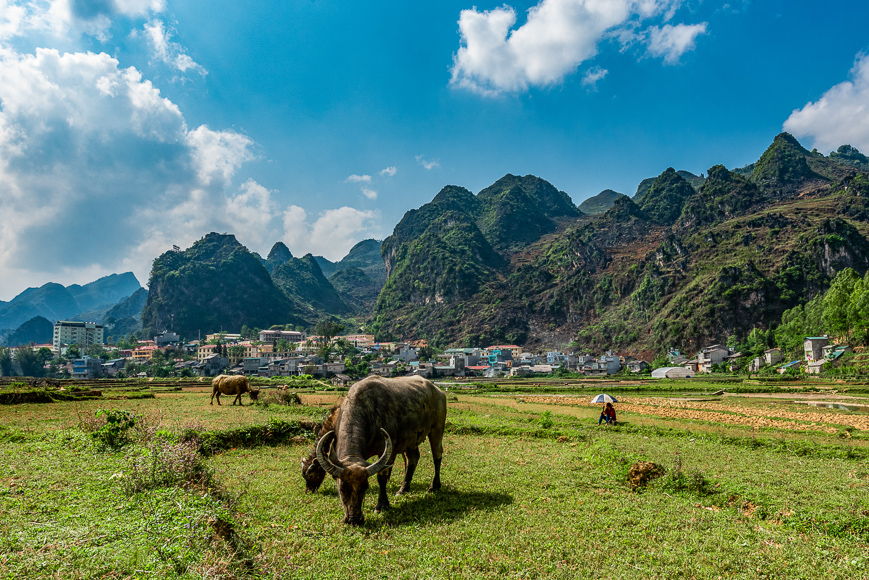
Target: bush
<point>110,427</point>
<point>167,463</point>
<point>693,482</point>
<point>279,396</point>
<point>546,421</point>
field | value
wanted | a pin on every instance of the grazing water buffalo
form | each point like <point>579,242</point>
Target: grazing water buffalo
<point>311,470</point>
<point>232,385</point>
<point>382,417</point>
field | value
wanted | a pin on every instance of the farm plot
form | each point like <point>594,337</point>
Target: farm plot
<point>527,494</point>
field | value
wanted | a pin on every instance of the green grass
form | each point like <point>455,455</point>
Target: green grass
<point>525,496</point>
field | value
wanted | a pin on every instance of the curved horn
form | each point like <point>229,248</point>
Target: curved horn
<point>380,465</point>
<point>328,466</point>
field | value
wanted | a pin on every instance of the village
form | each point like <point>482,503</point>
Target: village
<point>79,351</point>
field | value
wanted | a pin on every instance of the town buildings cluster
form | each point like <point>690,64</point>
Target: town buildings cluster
<point>284,353</point>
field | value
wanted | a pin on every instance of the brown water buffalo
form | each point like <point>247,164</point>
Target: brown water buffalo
<point>382,417</point>
<point>232,385</point>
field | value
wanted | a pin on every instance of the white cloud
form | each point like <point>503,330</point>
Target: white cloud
<point>369,193</point>
<point>358,179</point>
<point>671,42</point>
<point>389,171</point>
<point>332,233</point>
<point>426,163</point>
<point>168,52</point>
<point>558,35</point>
<point>840,116</point>
<point>593,75</point>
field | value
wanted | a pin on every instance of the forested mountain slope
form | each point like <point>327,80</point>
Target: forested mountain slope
<point>684,263</point>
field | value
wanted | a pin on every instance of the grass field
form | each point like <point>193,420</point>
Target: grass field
<point>754,486</point>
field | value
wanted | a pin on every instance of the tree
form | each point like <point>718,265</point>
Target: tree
<point>328,329</point>
<point>28,362</point>
<point>837,302</point>
<point>236,351</point>
<point>72,351</point>
<point>5,362</point>
<point>96,351</point>
<point>44,355</point>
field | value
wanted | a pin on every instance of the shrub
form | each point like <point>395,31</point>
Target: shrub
<point>546,421</point>
<point>692,482</point>
<point>166,463</point>
<point>279,397</point>
<point>110,427</point>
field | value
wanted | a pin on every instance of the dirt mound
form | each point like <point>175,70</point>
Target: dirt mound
<point>642,472</point>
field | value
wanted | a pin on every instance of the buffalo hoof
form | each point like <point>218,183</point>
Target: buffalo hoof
<point>434,489</point>
<point>381,508</point>
<point>358,522</point>
<point>401,491</point>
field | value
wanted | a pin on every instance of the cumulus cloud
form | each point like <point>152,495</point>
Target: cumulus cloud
<point>168,52</point>
<point>389,171</point>
<point>840,116</point>
<point>332,233</point>
<point>358,179</point>
<point>671,42</point>
<point>420,159</point>
<point>369,193</point>
<point>593,75</point>
<point>558,35</point>
<point>95,160</point>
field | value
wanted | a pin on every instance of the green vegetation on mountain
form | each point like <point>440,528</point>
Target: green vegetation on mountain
<point>665,198</point>
<point>516,211</point>
<point>278,255</point>
<point>356,289</point>
<point>216,284</point>
<point>694,180</point>
<point>783,163</point>
<point>675,266</point>
<point>850,156</point>
<point>37,330</point>
<point>304,283</point>
<point>366,255</point>
<point>599,203</point>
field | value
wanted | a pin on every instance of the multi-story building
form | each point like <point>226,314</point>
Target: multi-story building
<point>86,368</point>
<point>271,337</point>
<point>83,334</point>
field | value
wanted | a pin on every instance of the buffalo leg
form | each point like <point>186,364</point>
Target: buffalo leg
<point>411,458</point>
<point>436,438</point>
<point>212,398</point>
<point>382,480</point>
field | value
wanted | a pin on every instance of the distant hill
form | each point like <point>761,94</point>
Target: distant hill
<point>279,254</point>
<point>694,180</point>
<point>37,330</point>
<point>600,202</point>
<point>302,280</point>
<point>55,302</point>
<point>125,317</point>
<point>515,211</point>
<point>690,260</point>
<point>366,255</point>
<point>216,284</point>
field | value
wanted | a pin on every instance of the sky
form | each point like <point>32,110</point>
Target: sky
<point>130,126</point>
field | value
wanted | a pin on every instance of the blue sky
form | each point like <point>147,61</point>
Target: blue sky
<point>127,126</point>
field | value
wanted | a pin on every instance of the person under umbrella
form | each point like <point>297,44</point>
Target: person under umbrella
<point>608,412</point>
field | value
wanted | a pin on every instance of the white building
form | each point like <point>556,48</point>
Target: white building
<point>83,334</point>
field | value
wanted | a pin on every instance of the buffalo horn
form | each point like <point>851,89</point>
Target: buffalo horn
<point>325,463</point>
<point>381,463</point>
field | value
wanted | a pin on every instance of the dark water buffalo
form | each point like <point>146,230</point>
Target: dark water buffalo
<point>311,470</point>
<point>382,417</point>
<point>232,385</point>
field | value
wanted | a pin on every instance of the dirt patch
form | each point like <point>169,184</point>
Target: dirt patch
<point>725,413</point>
<point>643,472</point>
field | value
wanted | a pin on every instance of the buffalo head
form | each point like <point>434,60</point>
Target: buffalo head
<point>254,393</point>
<point>352,475</point>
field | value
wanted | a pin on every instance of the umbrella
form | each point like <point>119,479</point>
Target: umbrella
<point>604,398</point>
